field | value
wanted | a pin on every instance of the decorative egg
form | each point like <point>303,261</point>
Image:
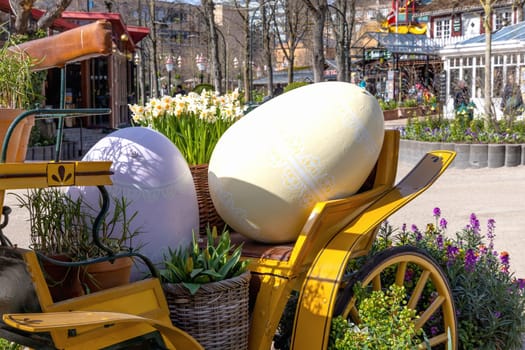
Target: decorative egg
<point>311,144</point>
<point>153,176</point>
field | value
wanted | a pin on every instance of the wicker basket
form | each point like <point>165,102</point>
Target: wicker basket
<point>207,212</point>
<point>217,316</point>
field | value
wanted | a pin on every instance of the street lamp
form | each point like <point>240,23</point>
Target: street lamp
<point>201,65</point>
<point>235,67</point>
<point>169,68</point>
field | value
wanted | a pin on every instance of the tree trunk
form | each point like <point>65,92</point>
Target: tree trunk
<point>154,57</point>
<point>247,55</point>
<point>53,13</point>
<point>318,46</point>
<point>267,49</point>
<point>209,7</point>
<point>487,23</point>
<point>319,16</point>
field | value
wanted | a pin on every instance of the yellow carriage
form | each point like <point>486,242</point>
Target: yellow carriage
<point>136,316</point>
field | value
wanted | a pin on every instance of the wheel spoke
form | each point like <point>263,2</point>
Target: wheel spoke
<point>435,340</point>
<point>390,268</point>
<point>425,316</point>
<point>418,290</point>
<point>400,273</point>
<point>376,282</point>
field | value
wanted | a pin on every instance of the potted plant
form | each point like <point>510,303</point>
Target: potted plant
<point>206,287</point>
<point>17,92</point>
<point>61,228</point>
<point>194,123</point>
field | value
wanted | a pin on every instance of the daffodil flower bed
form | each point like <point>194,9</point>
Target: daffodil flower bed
<point>193,122</point>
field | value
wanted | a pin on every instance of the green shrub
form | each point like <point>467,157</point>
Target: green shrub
<point>7,345</point>
<point>489,300</point>
<point>386,324</point>
<point>462,129</point>
<point>200,87</point>
<point>294,85</point>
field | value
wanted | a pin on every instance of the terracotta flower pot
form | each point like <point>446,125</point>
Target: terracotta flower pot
<point>63,281</point>
<point>104,275</point>
<point>17,147</point>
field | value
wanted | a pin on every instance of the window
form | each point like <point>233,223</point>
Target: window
<point>503,18</point>
<point>442,28</point>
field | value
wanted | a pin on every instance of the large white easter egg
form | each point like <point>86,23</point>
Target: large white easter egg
<point>150,172</point>
<point>311,144</point>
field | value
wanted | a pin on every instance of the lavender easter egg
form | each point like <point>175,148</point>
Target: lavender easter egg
<point>311,144</point>
<point>150,172</point>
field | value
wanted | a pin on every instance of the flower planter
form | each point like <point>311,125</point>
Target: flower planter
<point>467,155</point>
<point>462,160</point>
<point>68,152</point>
<point>512,155</point>
<point>217,315</point>
<point>17,146</point>
<point>63,281</point>
<point>496,155</point>
<point>478,155</point>
<point>105,275</point>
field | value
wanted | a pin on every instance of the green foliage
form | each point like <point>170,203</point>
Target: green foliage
<point>7,345</point>
<point>410,102</point>
<point>489,300</point>
<point>462,129</point>
<point>388,105</point>
<point>199,88</point>
<point>38,138</point>
<point>386,324</point>
<point>61,225</point>
<point>193,266</point>
<point>294,85</point>
<point>17,88</point>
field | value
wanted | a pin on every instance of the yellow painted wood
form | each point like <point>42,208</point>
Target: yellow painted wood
<point>326,220</point>
<point>47,174</point>
<point>318,293</point>
<point>64,322</point>
<point>143,299</point>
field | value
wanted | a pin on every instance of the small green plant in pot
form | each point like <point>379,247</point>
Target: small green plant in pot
<point>206,285</point>
<point>61,228</point>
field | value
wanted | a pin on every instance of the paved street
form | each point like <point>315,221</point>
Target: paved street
<point>496,193</point>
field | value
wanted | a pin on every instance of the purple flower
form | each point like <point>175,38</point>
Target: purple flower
<point>474,223</point>
<point>434,330</point>
<point>443,223</point>
<point>452,252</point>
<point>404,227</point>
<point>417,233</point>
<point>491,225</point>
<point>497,314</point>
<point>439,241</point>
<point>521,283</point>
<point>470,260</point>
<point>505,261</point>
<point>437,212</point>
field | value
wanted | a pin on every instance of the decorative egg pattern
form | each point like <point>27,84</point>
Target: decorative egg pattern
<point>311,144</point>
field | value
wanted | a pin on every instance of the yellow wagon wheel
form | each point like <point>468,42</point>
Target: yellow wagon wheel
<point>426,286</point>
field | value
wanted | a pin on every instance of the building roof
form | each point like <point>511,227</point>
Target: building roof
<point>437,7</point>
<point>512,32</point>
<point>413,44</point>
<point>507,39</point>
<point>72,19</point>
<point>134,33</point>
